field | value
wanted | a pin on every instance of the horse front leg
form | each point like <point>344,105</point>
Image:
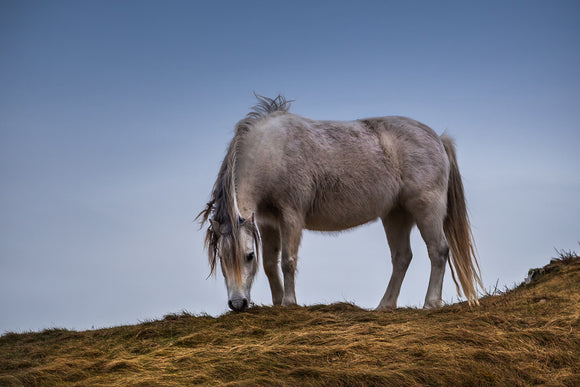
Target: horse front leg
<point>271,251</point>
<point>291,235</point>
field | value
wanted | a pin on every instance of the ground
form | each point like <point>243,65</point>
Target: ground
<point>528,335</point>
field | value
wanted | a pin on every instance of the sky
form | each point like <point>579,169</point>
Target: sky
<point>115,116</point>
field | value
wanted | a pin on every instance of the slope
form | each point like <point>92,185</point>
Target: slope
<point>528,335</point>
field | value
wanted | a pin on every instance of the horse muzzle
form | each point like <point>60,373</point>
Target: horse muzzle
<point>238,304</point>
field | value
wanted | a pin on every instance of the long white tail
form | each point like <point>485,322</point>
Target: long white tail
<point>458,232</point>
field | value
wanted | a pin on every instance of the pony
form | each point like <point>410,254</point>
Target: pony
<point>284,173</point>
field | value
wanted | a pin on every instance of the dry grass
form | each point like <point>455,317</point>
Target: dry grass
<point>525,336</point>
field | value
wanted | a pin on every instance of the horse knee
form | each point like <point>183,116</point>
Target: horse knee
<point>444,251</point>
<point>271,267</point>
<point>288,264</point>
<point>440,254</point>
<point>402,259</point>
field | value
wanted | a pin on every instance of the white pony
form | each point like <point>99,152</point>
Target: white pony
<point>284,173</point>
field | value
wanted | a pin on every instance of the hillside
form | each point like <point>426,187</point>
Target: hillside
<point>529,335</point>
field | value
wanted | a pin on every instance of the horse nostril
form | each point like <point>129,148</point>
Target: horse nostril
<point>238,304</point>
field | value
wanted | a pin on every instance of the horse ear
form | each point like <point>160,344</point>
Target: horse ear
<point>215,226</point>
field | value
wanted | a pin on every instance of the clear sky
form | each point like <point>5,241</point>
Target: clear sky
<point>114,118</point>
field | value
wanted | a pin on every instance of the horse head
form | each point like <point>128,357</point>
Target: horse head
<point>237,247</point>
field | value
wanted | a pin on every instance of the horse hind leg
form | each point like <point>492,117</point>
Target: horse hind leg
<point>430,224</point>
<point>398,224</point>
<point>271,261</point>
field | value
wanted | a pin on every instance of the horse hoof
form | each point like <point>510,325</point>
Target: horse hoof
<point>433,304</point>
<point>288,302</point>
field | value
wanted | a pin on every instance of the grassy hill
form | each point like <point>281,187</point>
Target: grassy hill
<point>529,335</point>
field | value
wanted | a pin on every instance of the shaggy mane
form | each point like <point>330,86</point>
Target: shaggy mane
<point>263,109</point>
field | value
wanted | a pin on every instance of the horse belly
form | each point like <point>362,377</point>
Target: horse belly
<point>333,223</point>
<point>335,210</point>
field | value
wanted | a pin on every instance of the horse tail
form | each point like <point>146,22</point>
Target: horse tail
<point>458,231</point>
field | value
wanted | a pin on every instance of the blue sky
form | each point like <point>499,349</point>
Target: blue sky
<point>114,118</point>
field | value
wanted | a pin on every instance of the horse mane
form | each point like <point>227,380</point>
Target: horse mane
<point>222,206</point>
<point>263,109</point>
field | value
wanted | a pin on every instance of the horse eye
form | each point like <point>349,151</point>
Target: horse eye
<point>250,256</point>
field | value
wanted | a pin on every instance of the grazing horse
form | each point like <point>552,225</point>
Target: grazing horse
<point>284,173</point>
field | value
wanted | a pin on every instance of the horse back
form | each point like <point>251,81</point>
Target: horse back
<point>334,174</point>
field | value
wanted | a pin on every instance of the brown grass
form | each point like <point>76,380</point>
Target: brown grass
<point>526,336</point>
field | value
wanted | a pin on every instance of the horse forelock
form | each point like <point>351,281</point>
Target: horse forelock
<point>221,240</point>
<point>225,245</point>
<point>230,250</point>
